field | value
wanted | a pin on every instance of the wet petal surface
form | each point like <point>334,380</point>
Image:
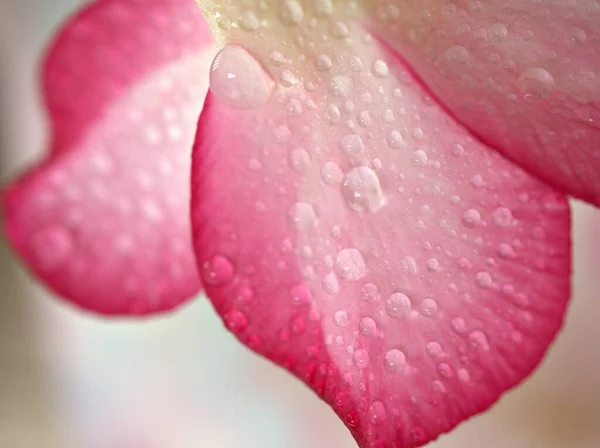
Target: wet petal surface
<point>523,75</point>
<point>369,244</point>
<point>104,221</point>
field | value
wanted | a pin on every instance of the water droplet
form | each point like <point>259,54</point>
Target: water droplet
<point>502,217</point>
<point>398,305</point>
<point>238,79</point>
<point>235,320</point>
<point>244,294</point>
<point>536,83</point>
<point>498,32</point>
<point>419,158</point>
<point>361,358</point>
<point>369,292</point>
<point>330,283</point>
<point>350,264</point>
<point>352,145</point>
<point>323,63</point>
<point>471,218</point>
<point>248,21</point>
<point>331,173</point>
<point>332,114</point>
<point>484,280</point>
<point>394,139</point>
<point>302,215</point>
<point>380,69</point>
<point>361,190</point>
<point>434,349</point>
<point>341,318</point>
<point>429,307</point>
<point>339,30</point>
<point>291,12</point>
<point>395,360</point>
<point>459,325</point>
<point>299,159</point>
<point>340,85</point>
<point>217,271</point>
<point>367,327</point>
<point>479,341</point>
<point>463,375</point>
<point>301,294</point>
<point>445,370</point>
<point>377,413</point>
<point>51,247</point>
<point>458,54</point>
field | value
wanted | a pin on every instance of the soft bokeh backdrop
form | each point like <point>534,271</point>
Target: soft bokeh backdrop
<point>69,380</point>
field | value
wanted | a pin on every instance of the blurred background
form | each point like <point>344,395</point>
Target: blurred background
<point>68,380</point>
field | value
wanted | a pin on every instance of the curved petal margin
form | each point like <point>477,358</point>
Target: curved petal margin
<point>104,220</point>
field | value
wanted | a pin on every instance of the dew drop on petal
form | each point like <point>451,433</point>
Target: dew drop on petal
<point>361,190</point>
<point>239,80</point>
<point>217,271</point>
<point>350,264</point>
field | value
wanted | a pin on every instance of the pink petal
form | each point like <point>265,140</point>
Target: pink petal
<point>409,294</point>
<point>104,221</point>
<point>523,75</point>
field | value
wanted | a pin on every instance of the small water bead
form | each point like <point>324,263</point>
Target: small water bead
<point>367,327</point>
<point>301,294</point>
<point>331,173</point>
<point>502,217</point>
<point>429,307</point>
<point>294,108</point>
<point>332,114</point>
<point>398,305</point>
<point>364,119</point>
<point>238,79</point>
<point>299,159</point>
<point>356,63</point>
<point>361,358</point>
<point>380,68</point>
<point>419,158</point>
<point>395,360</point>
<point>340,318</point>
<point>277,58</point>
<point>350,264</point>
<point>369,292</point>
<point>291,12</point>
<point>287,78</point>
<point>409,264</point>
<point>322,8</point>
<point>248,21</point>
<point>395,140</point>
<point>434,349</point>
<point>51,247</point>
<point>377,413</point>
<point>388,116</point>
<point>506,251</point>
<point>302,215</point>
<point>361,190</point>
<point>536,83</point>
<point>463,375</point>
<point>479,341</point>
<point>323,63</point>
<point>498,32</point>
<point>217,271</point>
<point>457,54</point>
<point>339,30</point>
<point>244,294</point>
<point>484,280</point>
<point>235,320</point>
<point>459,325</point>
<point>471,218</point>
<point>445,370</point>
<point>330,283</point>
<point>340,85</point>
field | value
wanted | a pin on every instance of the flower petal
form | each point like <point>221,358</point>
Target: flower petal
<point>523,75</point>
<point>359,237</point>
<point>104,221</point>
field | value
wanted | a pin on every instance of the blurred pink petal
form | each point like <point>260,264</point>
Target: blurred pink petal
<point>104,221</point>
<point>523,75</point>
<point>362,239</point>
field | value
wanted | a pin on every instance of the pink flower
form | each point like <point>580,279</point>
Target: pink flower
<point>357,212</point>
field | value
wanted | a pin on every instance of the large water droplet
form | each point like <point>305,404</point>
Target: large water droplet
<point>536,83</point>
<point>361,190</point>
<point>350,264</point>
<point>395,360</point>
<point>239,80</point>
<point>302,215</point>
<point>398,305</point>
